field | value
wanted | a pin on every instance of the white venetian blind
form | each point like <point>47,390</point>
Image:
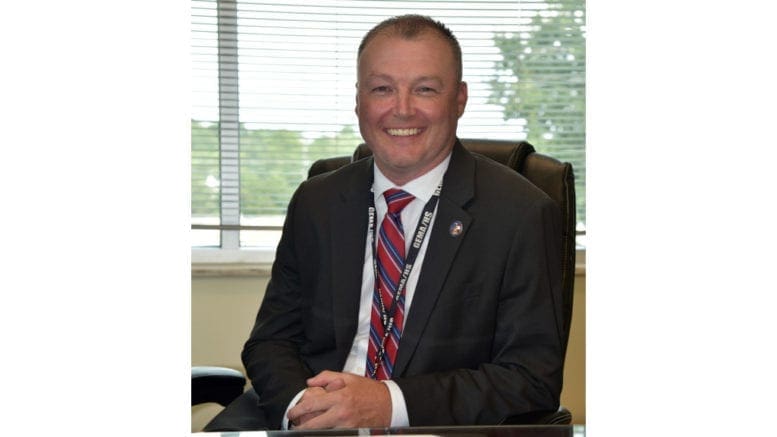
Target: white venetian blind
<point>274,91</point>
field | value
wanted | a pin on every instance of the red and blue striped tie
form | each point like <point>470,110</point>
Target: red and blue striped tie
<point>391,262</point>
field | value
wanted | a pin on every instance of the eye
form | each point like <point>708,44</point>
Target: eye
<point>381,89</point>
<point>426,90</point>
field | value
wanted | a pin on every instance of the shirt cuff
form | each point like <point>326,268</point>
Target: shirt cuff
<point>285,421</point>
<point>398,406</point>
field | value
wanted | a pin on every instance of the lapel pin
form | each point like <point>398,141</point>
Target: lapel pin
<point>456,228</point>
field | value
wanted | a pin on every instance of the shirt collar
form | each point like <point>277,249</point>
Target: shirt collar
<point>421,187</point>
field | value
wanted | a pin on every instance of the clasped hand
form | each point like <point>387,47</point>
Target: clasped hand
<point>342,400</point>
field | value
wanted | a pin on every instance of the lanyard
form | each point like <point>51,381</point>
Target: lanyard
<point>387,316</point>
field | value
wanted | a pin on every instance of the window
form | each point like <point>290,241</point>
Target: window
<point>274,91</point>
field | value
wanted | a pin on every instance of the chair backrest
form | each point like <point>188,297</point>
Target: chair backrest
<point>324,165</point>
<point>552,176</point>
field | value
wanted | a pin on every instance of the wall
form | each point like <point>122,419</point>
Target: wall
<point>224,308</point>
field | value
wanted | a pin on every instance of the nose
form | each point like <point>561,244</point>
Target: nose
<point>403,105</point>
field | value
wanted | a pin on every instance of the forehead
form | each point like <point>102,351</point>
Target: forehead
<point>388,52</point>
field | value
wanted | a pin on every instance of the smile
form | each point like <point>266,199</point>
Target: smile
<point>403,132</point>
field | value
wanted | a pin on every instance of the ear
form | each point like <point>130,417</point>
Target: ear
<point>461,98</point>
<point>356,109</point>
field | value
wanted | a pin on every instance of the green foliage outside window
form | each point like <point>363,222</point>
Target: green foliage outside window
<point>272,164</point>
<point>541,79</point>
<point>205,169</point>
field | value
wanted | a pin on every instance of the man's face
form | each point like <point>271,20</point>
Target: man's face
<point>408,102</point>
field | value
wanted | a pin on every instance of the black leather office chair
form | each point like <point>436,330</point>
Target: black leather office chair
<point>216,384</point>
<point>555,178</point>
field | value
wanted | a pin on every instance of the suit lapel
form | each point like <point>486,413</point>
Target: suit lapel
<point>457,191</point>
<point>347,233</point>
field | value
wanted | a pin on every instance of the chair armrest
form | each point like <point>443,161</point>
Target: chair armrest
<point>216,384</point>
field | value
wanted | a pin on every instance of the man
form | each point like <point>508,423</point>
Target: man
<point>446,311</point>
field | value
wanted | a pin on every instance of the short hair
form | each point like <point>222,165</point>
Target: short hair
<point>412,26</point>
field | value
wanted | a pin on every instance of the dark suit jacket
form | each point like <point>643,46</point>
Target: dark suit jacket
<point>482,339</point>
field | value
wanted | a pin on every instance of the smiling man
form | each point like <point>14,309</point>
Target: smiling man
<point>420,286</point>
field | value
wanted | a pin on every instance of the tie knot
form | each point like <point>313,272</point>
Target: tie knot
<point>397,199</point>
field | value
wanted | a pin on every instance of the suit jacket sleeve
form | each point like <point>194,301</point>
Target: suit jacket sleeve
<point>277,333</point>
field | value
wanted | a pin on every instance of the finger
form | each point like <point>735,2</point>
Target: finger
<point>305,405</point>
<point>321,420</point>
<point>297,413</point>
<point>311,403</point>
<point>335,384</point>
<point>323,378</point>
<point>304,418</point>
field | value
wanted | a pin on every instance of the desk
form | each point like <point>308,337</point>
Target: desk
<point>454,431</point>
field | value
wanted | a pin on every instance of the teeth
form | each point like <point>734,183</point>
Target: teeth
<point>403,132</point>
